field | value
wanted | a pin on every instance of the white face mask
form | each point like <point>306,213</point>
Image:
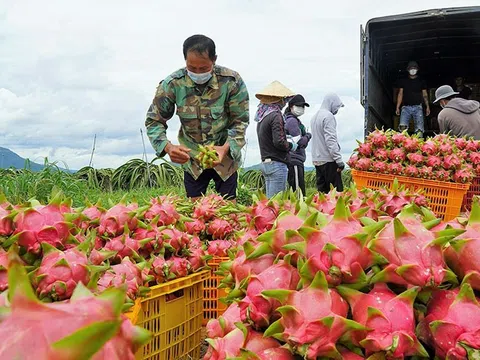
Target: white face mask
<point>298,110</point>
<point>413,72</point>
<point>200,78</point>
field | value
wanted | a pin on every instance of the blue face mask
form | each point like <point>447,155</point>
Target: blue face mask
<point>200,78</point>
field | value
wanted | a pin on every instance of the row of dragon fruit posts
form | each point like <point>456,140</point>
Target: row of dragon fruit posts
<point>283,252</point>
<point>442,158</point>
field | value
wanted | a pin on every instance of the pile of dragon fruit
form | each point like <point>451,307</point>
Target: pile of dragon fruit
<point>331,278</point>
<point>441,158</point>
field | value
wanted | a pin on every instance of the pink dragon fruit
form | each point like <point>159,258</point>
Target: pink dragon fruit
<point>425,172</point>
<point>42,224</point>
<point>97,257</point>
<point>472,146</point>
<point>442,175</point>
<point>124,273</point>
<point>452,324</point>
<point>163,211</point>
<point>411,171</point>
<point>194,227</point>
<point>365,149</point>
<point>6,221</point>
<point>463,175</point>
<point>150,231</point>
<point>380,167</point>
<point>219,229</point>
<point>445,148</point>
<point>325,203</point>
<point>177,267</point>
<point>158,269</point>
<point>250,236</point>
<point>474,158</point>
<point>313,319</point>
<point>125,246</point>
<point>63,330</point>
<point>411,144</point>
<point>390,318</point>
<point>415,158</point>
<point>364,164</point>
<point>381,154</point>
<point>3,270</point>
<point>175,239</point>
<point>460,143</point>
<point>219,247</point>
<point>349,355</point>
<point>352,162</point>
<point>114,220</point>
<point>206,207</point>
<point>463,254</point>
<point>91,216</point>
<point>396,168</point>
<point>399,138</point>
<point>397,155</point>
<point>394,200</point>
<point>264,214</point>
<point>434,162</point>
<point>451,162</point>
<point>421,265</point>
<point>60,272</point>
<point>430,147</point>
<point>197,258</point>
<point>255,308</point>
<point>378,138</point>
<point>241,340</point>
<point>225,323</point>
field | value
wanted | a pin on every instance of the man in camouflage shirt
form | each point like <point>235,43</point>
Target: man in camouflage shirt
<point>212,104</point>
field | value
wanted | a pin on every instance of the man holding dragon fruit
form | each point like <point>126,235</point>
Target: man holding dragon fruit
<point>212,104</point>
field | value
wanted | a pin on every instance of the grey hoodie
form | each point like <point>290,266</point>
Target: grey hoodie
<point>461,118</point>
<point>325,147</point>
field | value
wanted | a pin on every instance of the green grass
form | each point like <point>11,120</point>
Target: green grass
<point>136,180</point>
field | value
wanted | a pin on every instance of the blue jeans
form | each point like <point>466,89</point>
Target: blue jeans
<point>409,111</point>
<point>275,174</point>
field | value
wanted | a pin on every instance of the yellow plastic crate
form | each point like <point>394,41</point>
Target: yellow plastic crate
<point>445,198</point>
<point>212,307</point>
<point>173,312</point>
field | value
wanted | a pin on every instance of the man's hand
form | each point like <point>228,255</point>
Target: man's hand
<point>178,153</point>
<point>397,111</point>
<point>340,167</point>
<point>427,111</point>
<point>222,151</point>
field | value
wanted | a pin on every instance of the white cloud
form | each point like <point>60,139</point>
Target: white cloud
<point>74,69</point>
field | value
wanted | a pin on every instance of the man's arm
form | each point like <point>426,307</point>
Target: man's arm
<point>330,131</point>
<point>238,106</point>
<point>425,100</point>
<point>399,100</point>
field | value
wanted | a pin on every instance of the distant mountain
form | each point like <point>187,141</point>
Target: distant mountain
<point>9,159</point>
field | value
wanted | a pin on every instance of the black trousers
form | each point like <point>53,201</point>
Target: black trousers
<point>197,188</point>
<point>296,177</point>
<point>327,175</point>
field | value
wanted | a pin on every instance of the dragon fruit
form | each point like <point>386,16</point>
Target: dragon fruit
<point>255,308</point>
<point>6,221</point>
<point>264,215</point>
<point>325,203</point>
<point>397,155</point>
<point>219,247</point>
<point>395,200</point>
<point>378,138</point>
<point>411,144</point>
<point>313,319</point>
<point>420,265</point>
<point>194,227</point>
<point>352,162</point>
<point>3,270</point>
<point>463,254</point>
<point>150,231</point>
<point>175,239</point>
<point>461,143</point>
<point>206,207</point>
<point>117,217</point>
<point>177,267</point>
<point>250,236</point>
<point>472,145</point>
<point>452,324</point>
<point>162,212</point>
<point>42,224</point>
<point>430,147</point>
<point>396,168</point>
<point>197,258</point>
<point>442,175</point>
<point>380,167</point>
<point>225,323</point>
<point>219,228</point>
<point>434,162</point>
<point>381,154</point>
<point>124,273</point>
<point>364,164</point>
<point>463,176</point>
<point>390,319</point>
<point>240,340</point>
<point>474,158</point>
<point>451,162</point>
<point>158,269</point>
<point>365,149</point>
<point>445,148</point>
<point>125,246</point>
<point>399,138</point>
<point>97,257</point>
<point>425,172</point>
<point>415,158</point>
<point>85,327</point>
<point>411,170</point>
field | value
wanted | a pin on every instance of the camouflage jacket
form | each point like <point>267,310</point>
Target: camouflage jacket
<point>216,112</point>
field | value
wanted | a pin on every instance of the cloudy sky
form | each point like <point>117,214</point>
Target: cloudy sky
<point>72,69</point>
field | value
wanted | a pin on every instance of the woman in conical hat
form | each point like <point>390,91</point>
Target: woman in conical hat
<point>273,142</point>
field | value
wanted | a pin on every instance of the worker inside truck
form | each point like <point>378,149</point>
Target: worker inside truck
<point>445,43</point>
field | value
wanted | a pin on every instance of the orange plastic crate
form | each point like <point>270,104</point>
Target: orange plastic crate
<point>474,190</point>
<point>212,307</point>
<point>173,312</point>
<point>445,198</point>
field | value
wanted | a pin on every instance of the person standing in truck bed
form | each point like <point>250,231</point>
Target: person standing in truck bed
<point>459,117</point>
<point>412,92</point>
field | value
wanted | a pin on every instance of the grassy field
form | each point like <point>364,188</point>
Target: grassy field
<point>136,179</point>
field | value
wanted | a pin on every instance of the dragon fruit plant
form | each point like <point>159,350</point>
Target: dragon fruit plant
<point>441,158</point>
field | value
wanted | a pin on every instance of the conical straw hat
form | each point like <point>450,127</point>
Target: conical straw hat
<point>275,89</point>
